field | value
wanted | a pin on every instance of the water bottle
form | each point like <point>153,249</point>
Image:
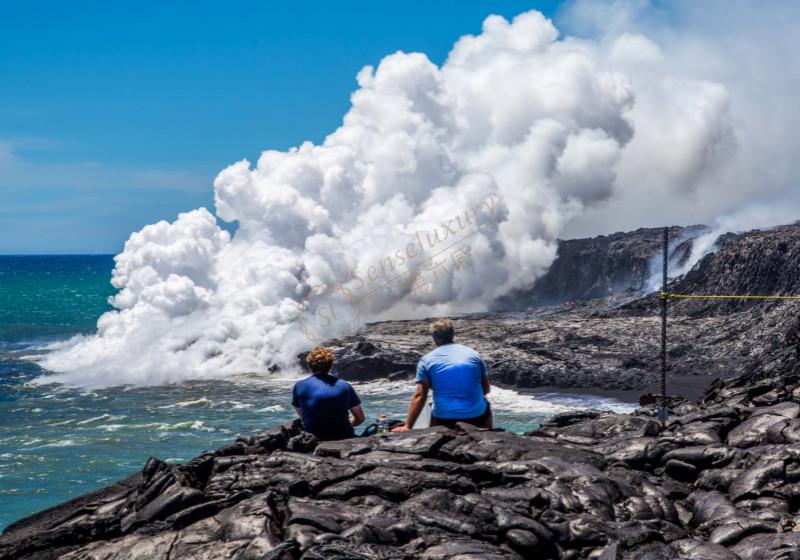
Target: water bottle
<point>383,424</point>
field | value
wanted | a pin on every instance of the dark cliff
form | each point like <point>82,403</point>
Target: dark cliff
<point>601,344</point>
<point>758,262</point>
<point>601,266</point>
<point>753,263</point>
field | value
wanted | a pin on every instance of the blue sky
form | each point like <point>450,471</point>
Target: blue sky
<point>116,115</point>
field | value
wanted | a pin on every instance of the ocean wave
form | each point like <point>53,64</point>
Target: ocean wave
<point>235,405</point>
<point>63,423</point>
<point>202,402</point>
<point>193,425</point>
<point>61,443</point>
<point>508,400</point>
<point>582,402</point>
<point>115,427</point>
<point>384,388</point>
<point>196,425</point>
<point>272,408</point>
<point>100,419</point>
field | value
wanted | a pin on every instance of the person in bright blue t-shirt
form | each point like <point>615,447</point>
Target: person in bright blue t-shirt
<point>328,406</point>
<point>458,378</point>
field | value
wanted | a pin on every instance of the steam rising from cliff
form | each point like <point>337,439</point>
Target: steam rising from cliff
<point>538,127</point>
<point>715,115</point>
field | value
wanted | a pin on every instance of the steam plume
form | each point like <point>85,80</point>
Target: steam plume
<point>529,129</point>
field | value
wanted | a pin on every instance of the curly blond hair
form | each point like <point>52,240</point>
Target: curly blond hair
<point>320,360</point>
<point>442,331</point>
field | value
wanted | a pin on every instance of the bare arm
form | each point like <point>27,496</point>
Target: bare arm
<point>486,386</point>
<point>418,400</point>
<point>299,412</point>
<point>358,415</point>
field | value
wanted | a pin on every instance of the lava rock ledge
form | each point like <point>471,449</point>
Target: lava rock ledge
<point>721,481</point>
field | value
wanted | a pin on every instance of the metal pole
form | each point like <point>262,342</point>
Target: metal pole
<point>662,413</point>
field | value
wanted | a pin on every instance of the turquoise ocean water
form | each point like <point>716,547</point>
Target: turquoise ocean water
<point>56,443</point>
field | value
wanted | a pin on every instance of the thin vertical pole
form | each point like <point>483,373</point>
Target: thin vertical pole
<point>662,413</point>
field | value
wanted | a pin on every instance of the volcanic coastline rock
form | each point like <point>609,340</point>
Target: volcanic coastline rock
<point>576,347</point>
<point>597,267</point>
<point>614,342</point>
<point>720,480</point>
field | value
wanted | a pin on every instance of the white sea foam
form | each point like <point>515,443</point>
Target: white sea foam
<point>580,402</point>
<point>273,408</point>
<point>63,423</point>
<point>61,443</point>
<point>202,402</point>
<point>235,405</point>
<point>507,400</point>
<point>511,401</point>
<point>192,425</point>
<point>100,419</point>
<point>116,427</point>
<point>195,425</point>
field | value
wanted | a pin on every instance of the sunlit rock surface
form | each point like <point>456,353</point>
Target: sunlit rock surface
<point>613,342</point>
<point>720,481</point>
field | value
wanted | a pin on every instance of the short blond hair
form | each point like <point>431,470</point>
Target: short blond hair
<point>442,331</point>
<point>320,360</point>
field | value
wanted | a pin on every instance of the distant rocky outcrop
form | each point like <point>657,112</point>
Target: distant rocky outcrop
<point>602,266</point>
<point>579,346</point>
<point>753,263</point>
<point>721,481</point>
<point>612,342</point>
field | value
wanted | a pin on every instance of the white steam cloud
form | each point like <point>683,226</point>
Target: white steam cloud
<point>716,119</point>
<point>492,154</point>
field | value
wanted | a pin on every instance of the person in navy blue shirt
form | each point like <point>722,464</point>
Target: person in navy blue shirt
<point>328,406</point>
<point>459,380</point>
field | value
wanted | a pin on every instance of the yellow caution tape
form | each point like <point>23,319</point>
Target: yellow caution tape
<point>667,295</point>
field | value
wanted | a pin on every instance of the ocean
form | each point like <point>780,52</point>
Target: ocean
<point>57,442</point>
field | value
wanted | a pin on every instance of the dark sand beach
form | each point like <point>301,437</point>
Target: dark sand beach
<point>690,387</point>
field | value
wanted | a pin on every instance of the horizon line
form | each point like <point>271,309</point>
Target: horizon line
<point>58,255</point>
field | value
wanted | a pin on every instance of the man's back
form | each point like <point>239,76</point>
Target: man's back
<point>325,401</point>
<point>455,373</point>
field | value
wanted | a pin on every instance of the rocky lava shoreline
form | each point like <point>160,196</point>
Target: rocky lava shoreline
<point>577,346</point>
<point>721,481</point>
<point>613,342</point>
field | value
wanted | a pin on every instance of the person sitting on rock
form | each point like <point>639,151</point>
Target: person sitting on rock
<point>459,380</point>
<point>328,406</point>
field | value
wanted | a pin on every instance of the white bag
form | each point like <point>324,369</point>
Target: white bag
<point>424,418</point>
